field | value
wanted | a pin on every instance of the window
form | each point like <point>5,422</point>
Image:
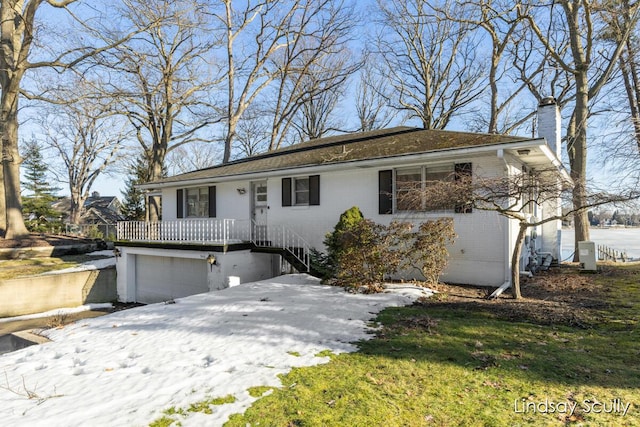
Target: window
<point>301,191</point>
<point>261,194</point>
<point>198,202</point>
<point>409,184</point>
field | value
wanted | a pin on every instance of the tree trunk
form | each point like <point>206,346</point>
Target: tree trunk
<point>156,168</point>
<point>154,208</point>
<point>75,210</point>
<point>3,210</point>
<point>515,261</point>
<point>577,149</point>
<point>11,160</point>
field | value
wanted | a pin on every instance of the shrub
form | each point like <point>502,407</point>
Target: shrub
<point>93,232</point>
<point>363,253</point>
<point>320,265</point>
<point>428,251</point>
<point>361,256</point>
<point>327,265</point>
<point>371,252</point>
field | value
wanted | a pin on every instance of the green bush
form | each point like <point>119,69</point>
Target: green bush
<point>93,232</point>
<point>326,265</point>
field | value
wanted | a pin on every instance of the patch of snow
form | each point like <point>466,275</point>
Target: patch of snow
<point>97,264</point>
<point>126,368</point>
<point>65,310</point>
<point>408,290</point>
<point>106,252</point>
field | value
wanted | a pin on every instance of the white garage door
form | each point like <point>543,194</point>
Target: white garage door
<point>163,278</point>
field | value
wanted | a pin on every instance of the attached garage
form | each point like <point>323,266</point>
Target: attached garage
<point>160,278</point>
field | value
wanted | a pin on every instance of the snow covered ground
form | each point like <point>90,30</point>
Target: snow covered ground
<point>126,368</point>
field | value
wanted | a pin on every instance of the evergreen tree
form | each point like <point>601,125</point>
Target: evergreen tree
<point>37,205</point>
<point>133,203</point>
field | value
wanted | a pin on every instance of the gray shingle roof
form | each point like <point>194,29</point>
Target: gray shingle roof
<point>346,148</point>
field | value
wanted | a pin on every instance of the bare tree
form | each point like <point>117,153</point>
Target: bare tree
<point>254,133</point>
<point>187,158</point>
<point>314,66</point>
<point>628,63</point>
<point>590,65</point>
<point>434,73</point>
<point>514,196</point>
<point>371,105</point>
<point>18,37</point>
<point>275,40</point>
<point>498,20</point>
<point>87,137</point>
<point>162,79</point>
<point>317,115</point>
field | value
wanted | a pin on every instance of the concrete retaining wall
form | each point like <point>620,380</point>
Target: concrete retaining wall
<point>35,294</point>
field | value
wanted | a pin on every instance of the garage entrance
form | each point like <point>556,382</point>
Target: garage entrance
<point>161,279</point>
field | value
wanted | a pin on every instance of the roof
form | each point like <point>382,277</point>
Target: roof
<point>100,202</point>
<point>97,209</point>
<point>385,143</point>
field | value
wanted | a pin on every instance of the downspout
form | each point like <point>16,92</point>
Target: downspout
<point>507,242</point>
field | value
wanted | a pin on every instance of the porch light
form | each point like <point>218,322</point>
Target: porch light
<point>524,152</point>
<point>242,190</point>
<point>211,260</point>
<point>117,253</point>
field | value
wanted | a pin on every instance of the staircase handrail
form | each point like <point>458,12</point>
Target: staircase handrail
<point>282,237</point>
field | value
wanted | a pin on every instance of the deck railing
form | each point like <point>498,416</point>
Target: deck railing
<point>216,231</point>
<point>201,230</point>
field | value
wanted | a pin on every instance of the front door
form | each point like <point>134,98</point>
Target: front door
<point>260,209</point>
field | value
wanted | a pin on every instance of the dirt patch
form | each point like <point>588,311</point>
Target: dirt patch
<point>42,240</point>
<point>562,295</point>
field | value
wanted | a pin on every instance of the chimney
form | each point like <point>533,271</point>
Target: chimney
<point>549,124</point>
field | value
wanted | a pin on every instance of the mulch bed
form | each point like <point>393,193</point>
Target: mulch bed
<point>561,295</point>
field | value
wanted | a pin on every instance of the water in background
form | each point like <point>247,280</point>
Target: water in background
<point>620,239</point>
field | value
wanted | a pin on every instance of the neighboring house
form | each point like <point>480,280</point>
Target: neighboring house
<point>246,216</point>
<point>100,211</point>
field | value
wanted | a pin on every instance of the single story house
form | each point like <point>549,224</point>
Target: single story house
<point>243,220</point>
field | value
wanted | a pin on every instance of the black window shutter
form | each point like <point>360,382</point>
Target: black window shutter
<point>463,170</point>
<point>314,190</point>
<point>385,192</point>
<point>180,203</point>
<point>286,191</point>
<point>212,201</point>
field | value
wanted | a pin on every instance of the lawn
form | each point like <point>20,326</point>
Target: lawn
<point>565,355</point>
